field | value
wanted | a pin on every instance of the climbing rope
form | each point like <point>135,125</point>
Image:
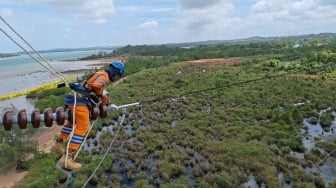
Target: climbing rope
<point>328,155</point>
<point>73,129</point>
<point>87,134</point>
<point>108,149</point>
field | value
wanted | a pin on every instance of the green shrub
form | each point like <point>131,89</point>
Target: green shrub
<point>8,157</point>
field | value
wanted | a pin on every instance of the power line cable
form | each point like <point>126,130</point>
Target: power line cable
<point>49,67</point>
<point>231,84</point>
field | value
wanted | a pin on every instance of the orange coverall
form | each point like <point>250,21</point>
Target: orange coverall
<point>95,84</point>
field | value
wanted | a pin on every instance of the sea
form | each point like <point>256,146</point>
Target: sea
<point>22,72</point>
<point>25,63</point>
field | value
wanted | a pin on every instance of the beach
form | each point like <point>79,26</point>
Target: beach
<point>22,79</point>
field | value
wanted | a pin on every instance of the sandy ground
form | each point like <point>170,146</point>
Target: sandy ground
<point>229,60</point>
<point>12,178</point>
<point>44,137</point>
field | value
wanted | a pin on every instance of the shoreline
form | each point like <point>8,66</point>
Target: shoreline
<point>14,82</point>
<point>20,80</point>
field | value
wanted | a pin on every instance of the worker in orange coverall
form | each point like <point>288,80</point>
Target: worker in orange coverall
<point>94,91</point>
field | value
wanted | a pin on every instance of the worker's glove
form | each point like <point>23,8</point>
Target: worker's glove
<point>112,107</point>
<point>105,93</point>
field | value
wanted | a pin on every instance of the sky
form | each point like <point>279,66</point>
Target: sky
<point>50,24</point>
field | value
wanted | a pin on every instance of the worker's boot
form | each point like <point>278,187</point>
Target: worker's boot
<point>58,147</point>
<point>70,163</point>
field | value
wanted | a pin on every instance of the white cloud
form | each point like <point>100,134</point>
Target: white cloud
<point>283,11</point>
<point>6,12</point>
<point>95,11</point>
<point>144,9</point>
<point>149,25</point>
<point>217,19</point>
<point>202,17</point>
<point>198,4</point>
<point>146,32</point>
<point>291,16</point>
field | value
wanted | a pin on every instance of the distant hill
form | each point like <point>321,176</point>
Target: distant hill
<point>79,49</point>
<point>3,55</point>
<point>256,39</point>
<point>197,43</point>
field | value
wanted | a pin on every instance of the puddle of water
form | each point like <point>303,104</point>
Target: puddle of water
<point>313,130</point>
<point>283,181</point>
<point>151,164</point>
<point>316,131</point>
<point>308,142</point>
<point>327,171</point>
<point>68,175</point>
<point>125,181</point>
<point>252,183</point>
<point>128,129</point>
<point>173,123</point>
<point>191,181</point>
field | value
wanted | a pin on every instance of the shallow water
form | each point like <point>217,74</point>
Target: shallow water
<point>21,80</point>
<point>327,170</point>
<point>23,72</point>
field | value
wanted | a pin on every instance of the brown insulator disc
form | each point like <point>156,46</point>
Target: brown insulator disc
<point>94,113</point>
<point>8,120</point>
<point>22,119</point>
<point>48,117</point>
<point>35,118</point>
<point>102,110</point>
<point>60,116</point>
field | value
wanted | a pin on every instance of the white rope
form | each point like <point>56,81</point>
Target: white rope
<point>53,70</point>
<point>328,155</point>
<point>107,151</point>
<point>87,134</point>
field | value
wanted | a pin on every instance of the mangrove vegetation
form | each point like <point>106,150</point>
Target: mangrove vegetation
<point>242,120</point>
